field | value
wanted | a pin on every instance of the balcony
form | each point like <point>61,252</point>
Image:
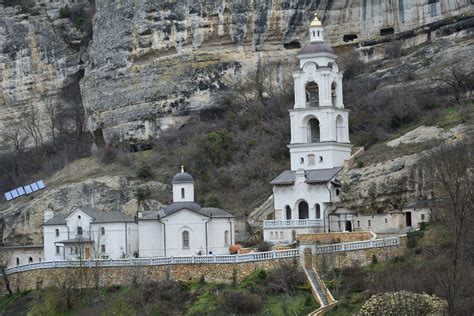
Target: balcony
<point>293,223</point>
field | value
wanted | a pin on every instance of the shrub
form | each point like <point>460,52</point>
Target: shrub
<point>64,12</point>
<point>263,246</point>
<point>403,303</point>
<point>145,172</point>
<point>237,302</point>
<point>360,163</point>
<point>107,155</point>
<point>374,259</point>
<point>285,279</point>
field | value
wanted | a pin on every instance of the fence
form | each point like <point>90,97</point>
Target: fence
<point>292,223</point>
<point>260,256</point>
<point>356,245</point>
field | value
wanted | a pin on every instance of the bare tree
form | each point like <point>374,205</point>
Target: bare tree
<point>3,266</point>
<point>451,172</point>
<point>458,78</point>
<point>30,122</point>
<point>52,109</point>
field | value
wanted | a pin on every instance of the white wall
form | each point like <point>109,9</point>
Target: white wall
<point>120,239</point>
<point>188,192</point>
<point>285,235</point>
<point>333,155</point>
<point>216,235</point>
<point>150,238</point>
<point>175,224</point>
<point>49,238</point>
<point>23,254</point>
<point>394,222</point>
<point>292,195</point>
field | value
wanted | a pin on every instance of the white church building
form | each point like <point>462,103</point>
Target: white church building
<point>305,194</point>
<point>183,228</point>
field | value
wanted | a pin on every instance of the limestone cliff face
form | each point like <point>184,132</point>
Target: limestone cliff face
<point>39,52</point>
<point>151,63</point>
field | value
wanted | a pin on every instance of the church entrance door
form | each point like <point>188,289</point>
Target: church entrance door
<point>303,210</point>
<point>348,226</point>
<point>408,218</point>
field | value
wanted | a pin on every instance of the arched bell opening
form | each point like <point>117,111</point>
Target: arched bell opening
<point>312,94</point>
<point>314,134</point>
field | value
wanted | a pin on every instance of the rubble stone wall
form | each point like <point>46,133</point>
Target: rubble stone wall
<point>332,238</point>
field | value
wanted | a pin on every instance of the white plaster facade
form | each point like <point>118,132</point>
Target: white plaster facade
<point>18,255</point>
<point>305,195</point>
<point>185,228</point>
<point>87,233</point>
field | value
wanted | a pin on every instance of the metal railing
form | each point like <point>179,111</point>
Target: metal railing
<point>289,223</point>
<point>259,256</point>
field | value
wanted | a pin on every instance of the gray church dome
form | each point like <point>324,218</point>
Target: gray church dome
<point>182,177</point>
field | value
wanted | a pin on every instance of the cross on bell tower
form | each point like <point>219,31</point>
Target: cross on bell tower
<point>319,122</point>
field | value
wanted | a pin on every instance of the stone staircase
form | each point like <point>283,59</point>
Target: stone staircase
<point>320,292</point>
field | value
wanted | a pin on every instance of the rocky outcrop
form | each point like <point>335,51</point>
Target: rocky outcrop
<point>151,63</point>
<point>40,53</point>
<point>22,220</point>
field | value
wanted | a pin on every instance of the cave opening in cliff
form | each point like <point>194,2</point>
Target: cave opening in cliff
<point>349,37</point>
<point>387,31</point>
<point>292,45</point>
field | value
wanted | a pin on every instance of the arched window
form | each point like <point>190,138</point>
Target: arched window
<point>79,231</point>
<point>321,159</point>
<point>281,235</point>
<point>339,128</point>
<point>288,212</point>
<point>102,230</point>
<point>318,211</point>
<point>301,160</point>
<point>185,237</point>
<point>312,94</point>
<point>17,261</point>
<point>358,223</point>
<point>313,131</point>
<point>30,259</point>
<point>271,235</point>
<point>303,210</point>
<point>226,237</point>
<point>369,223</point>
<point>57,232</point>
<point>334,94</point>
<point>182,193</point>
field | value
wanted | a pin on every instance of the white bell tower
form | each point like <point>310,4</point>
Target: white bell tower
<point>319,122</point>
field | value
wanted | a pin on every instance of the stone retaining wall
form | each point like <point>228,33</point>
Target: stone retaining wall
<point>109,276</point>
<point>333,238</point>
<point>360,257</point>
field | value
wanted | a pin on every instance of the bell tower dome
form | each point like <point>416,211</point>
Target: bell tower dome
<point>319,122</point>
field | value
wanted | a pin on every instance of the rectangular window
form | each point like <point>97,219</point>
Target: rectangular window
<point>422,217</point>
<point>102,248</point>
<point>311,159</point>
<point>57,250</point>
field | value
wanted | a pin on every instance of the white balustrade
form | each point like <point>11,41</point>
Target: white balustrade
<point>259,256</point>
<point>291,223</point>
